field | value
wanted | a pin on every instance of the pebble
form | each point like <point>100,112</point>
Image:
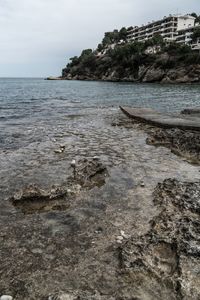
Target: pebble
<point>119,242</point>
<point>6,297</point>
<point>95,158</point>
<point>58,151</point>
<point>99,230</point>
<point>123,234</point>
<point>142,184</point>
<point>73,163</point>
<point>62,146</point>
<point>120,238</point>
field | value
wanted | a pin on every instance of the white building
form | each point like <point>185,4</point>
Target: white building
<point>185,37</point>
<point>168,27</point>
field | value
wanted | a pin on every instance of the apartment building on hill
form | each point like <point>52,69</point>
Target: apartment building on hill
<point>177,28</point>
<point>185,37</point>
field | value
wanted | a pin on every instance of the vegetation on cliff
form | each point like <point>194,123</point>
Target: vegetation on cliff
<point>118,60</point>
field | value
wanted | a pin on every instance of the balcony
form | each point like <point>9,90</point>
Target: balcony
<point>180,36</point>
<point>189,33</point>
<point>195,46</point>
<point>166,23</point>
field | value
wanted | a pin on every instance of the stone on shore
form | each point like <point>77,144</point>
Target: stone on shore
<point>6,297</point>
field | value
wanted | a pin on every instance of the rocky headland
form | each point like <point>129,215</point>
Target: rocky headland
<point>144,73</point>
<point>133,62</point>
<point>119,58</point>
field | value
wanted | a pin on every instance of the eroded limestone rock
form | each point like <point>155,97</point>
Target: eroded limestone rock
<point>87,174</point>
<point>34,199</point>
<point>90,173</point>
<point>184,143</point>
<point>165,263</point>
<point>62,296</point>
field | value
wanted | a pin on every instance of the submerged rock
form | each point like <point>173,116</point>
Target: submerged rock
<point>34,199</point>
<point>33,192</point>
<point>87,174</point>
<point>90,173</point>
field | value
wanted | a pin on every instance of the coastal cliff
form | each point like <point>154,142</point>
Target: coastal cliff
<point>162,67</point>
<point>152,61</point>
<point>151,73</point>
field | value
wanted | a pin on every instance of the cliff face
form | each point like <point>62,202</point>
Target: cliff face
<point>180,74</point>
<point>163,68</point>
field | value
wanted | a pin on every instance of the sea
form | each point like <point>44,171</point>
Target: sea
<point>38,116</point>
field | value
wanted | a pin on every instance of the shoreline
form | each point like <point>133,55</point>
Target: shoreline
<point>125,81</point>
<point>91,226</point>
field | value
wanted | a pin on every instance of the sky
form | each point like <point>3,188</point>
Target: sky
<point>37,37</point>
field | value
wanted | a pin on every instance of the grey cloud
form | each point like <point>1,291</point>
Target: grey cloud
<point>45,33</point>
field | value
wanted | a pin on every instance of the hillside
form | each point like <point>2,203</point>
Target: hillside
<point>154,60</point>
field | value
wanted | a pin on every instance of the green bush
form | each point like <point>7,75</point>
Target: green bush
<point>193,58</point>
<point>196,33</point>
<point>169,63</point>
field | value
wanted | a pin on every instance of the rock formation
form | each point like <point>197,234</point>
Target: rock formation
<point>164,263</point>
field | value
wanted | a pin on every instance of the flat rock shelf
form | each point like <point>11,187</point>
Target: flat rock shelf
<point>152,117</point>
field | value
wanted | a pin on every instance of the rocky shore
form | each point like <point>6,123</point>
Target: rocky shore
<point>183,143</point>
<point>144,74</point>
<point>123,225</point>
<point>164,263</point>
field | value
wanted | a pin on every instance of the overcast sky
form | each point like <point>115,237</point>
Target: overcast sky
<point>37,37</point>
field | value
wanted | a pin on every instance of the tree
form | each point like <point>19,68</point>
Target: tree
<point>197,18</point>
<point>115,36</point>
<point>157,40</point>
<point>89,61</point>
<point>106,40</point>
<point>196,33</point>
<point>123,34</point>
<point>74,61</point>
<point>184,49</point>
<point>86,52</point>
<point>194,15</point>
<point>111,37</point>
<point>100,47</point>
<point>129,28</point>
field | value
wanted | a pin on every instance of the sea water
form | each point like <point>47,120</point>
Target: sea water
<point>37,116</point>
